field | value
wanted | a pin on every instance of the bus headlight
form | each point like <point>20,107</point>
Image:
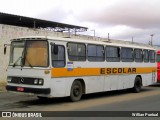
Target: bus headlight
<point>36,81</point>
<point>40,82</point>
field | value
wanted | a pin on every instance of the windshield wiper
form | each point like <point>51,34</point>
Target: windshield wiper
<point>21,60</point>
<point>17,61</point>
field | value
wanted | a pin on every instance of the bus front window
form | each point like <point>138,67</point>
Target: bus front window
<point>16,53</point>
<point>36,54</point>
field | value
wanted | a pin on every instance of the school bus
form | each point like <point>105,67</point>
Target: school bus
<point>58,67</point>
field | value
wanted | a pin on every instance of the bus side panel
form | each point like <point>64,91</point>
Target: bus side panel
<point>94,84</point>
<point>126,81</point>
<point>62,86</point>
<point>111,82</point>
<point>148,79</point>
<point>117,82</point>
<point>58,87</point>
<point>158,72</point>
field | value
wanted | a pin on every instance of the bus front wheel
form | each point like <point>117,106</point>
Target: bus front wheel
<point>76,91</point>
<point>137,85</point>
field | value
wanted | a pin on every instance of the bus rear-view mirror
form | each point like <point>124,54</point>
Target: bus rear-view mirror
<point>54,48</point>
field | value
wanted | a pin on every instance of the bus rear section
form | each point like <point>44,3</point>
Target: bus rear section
<point>158,66</point>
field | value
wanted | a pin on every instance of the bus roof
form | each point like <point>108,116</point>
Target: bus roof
<point>98,42</point>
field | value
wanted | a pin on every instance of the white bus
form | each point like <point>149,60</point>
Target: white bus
<point>58,67</point>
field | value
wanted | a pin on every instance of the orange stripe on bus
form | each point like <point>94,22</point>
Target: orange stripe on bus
<point>64,72</point>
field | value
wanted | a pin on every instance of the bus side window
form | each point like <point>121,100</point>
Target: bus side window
<point>145,56</point>
<point>95,53</point>
<point>112,54</point>
<point>152,56</point>
<point>138,55</point>
<point>127,54</point>
<point>58,59</point>
<point>76,51</point>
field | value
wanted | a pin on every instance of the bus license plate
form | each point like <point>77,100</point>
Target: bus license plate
<point>20,89</point>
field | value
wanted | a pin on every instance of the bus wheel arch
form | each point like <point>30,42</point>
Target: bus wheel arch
<point>77,89</point>
<point>137,84</point>
<point>83,85</point>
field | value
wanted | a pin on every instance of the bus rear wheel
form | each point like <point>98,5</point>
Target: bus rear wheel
<point>137,85</point>
<point>76,91</point>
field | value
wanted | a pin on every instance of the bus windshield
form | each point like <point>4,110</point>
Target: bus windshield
<point>29,53</point>
<point>158,57</point>
<point>16,53</point>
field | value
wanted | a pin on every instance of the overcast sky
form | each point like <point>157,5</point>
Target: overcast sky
<point>121,18</point>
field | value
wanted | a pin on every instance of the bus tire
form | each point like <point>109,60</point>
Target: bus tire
<point>76,91</point>
<point>137,85</point>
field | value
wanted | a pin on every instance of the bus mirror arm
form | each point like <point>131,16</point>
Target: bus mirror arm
<point>5,48</point>
<point>54,48</point>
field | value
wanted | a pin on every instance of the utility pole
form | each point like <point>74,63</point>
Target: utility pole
<point>152,38</point>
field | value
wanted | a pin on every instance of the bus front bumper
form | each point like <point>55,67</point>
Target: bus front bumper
<point>28,89</point>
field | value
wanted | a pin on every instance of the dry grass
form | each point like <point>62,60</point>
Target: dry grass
<point>2,85</point>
